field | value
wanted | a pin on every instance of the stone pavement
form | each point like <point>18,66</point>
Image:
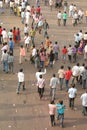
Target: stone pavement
<point>25,111</point>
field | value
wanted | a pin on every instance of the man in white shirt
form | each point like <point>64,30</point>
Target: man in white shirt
<point>41,85</point>
<point>84,102</point>
<point>26,29</point>
<point>75,73</point>
<point>37,75</point>
<point>75,17</point>
<point>4,35</point>
<point>61,75</point>
<point>59,17</point>
<point>71,9</point>
<point>10,34</point>
<point>82,69</point>
<point>80,35</point>
<point>85,52</point>
<point>21,80</point>
<point>27,40</point>
<point>27,16</point>
<point>72,95</point>
<point>53,84</point>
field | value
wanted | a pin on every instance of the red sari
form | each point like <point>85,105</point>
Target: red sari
<point>18,37</point>
<point>14,35</point>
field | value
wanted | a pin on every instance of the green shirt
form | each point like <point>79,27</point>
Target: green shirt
<point>64,15</point>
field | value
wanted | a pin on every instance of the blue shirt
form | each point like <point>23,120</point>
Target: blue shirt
<point>11,44</point>
<point>60,108</point>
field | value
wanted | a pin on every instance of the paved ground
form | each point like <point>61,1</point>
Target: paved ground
<point>26,111</point>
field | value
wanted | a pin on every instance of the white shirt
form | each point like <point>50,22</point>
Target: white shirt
<point>75,70</point>
<point>75,16</point>
<point>59,15</point>
<point>71,7</point>
<point>20,76</point>
<point>10,34</point>
<point>50,2</point>
<point>41,83</point>
<point>80,35</point>
<point>84,99</point>
<point>53,82</point>
<point>69,50</point>
<point>26,29</point>
<point>5,47</point>
<point>34,52</point>
<point>27,15</point>
<point>4,34</point>
<point>85,48</point>
<point>81,68</point>
<point>40,73</point>
<point>27,40</point>
<point>81,13</point>
<point>72,92</point>
<point>28,8</point>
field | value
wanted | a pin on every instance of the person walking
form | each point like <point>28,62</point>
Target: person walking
<point>21,80</point>
<point>32,34</point>
<point>4,60</point>
<point>84,103</point>
<point>64,18</point>
<point>22,54</point>
<point>53,84</point>
<point>84,78</point>
<point>61,75</point>
<point>75,73</point>
<point>64,52</point>
<point>69,49</point>
<point>59,17</point>
<point>11,62</point>
<point>37,74</point>
<point>85,52</point>
<point>51,58</point>
<point>56,50</point>
<point>45,28</point>
<point>68,74</point>
<point>11,45</point>
<point>60,112</point>
<point>52,111</point>
<point>41,85</point>
<point>51,2</point>
<point>72,95</point>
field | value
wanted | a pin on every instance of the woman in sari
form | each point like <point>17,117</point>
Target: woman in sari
<point>81,47</point>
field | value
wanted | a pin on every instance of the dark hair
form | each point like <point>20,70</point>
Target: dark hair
<point>21,46</point>
<point>21,70</point>
<point>39,70</point>
<point>83,64</point>
<point>62,67</point>
<point>52,102</point>
<point>77,64</point>
<point>54,75</point>
<point>73,85</point>
<point>61,102</point>
<point>40,76</point>
<point>69,67</point>
<point>56,42</point>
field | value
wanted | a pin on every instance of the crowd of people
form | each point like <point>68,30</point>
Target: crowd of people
<point>46,54</point>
